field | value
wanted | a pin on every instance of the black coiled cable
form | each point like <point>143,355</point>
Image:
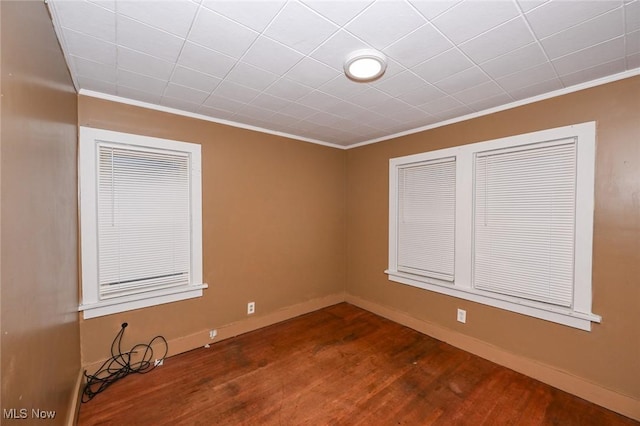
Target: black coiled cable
<point>120,365</point>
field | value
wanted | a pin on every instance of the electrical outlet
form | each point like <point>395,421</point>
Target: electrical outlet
<point>251,308</point>
<point>158,362</point>
<point>462,316</point>
<point>213,334</point>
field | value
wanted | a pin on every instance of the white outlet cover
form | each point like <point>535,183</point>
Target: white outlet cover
<point>462,316</point>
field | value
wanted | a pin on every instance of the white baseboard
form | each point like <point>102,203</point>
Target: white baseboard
<point>563,380</point>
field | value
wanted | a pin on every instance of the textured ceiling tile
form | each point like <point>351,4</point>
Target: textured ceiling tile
<point>369,98</point>
<point>298,111</point>
<point>537,89</point>
<point>205,60</point>
<point>89,47</point>
<point>271,56</point>
<point>408,114</point>
<point>517,60</point>
<point>422,95</point>
<point>221,34</point>
<point>632,43</point>
<point>633,61</point>
<point>300,75</point>
<point>142,63</point>
<point>94,70</point>
<point>442,104</point>
<point>555,16</point>
<point>390,104</point>
<point>339,11</point>
<point>471,18</point>
<point>431,9</point>
<point>194,79</point>
<point>97,85</point>
<point>400,84</point>
<point>453,113</point>
<point>185,93</point>
<point>422,44</point>
<point>498,41</point>
<point>342,87</point>
<point>591,57</point>
<point>141,37</point>
<point>107,4</point>
<point>299,28</point>
<point>222,103</point>
<point>522,79</point>
<point>335,50</point>
<point>179,104</point>
<point>632,16</point>
<point>601,70</point>
<point>217,113</point>
<point>236,92</point>
<point>311,73</point>
<point>457,82</point>
<point>491,102</point>
<point>319,100</point>
<point>527,5</point>
<point>255,111</point>
<point>250,76</point>
<point>348,110</point>
<point>173,16</point>
<point>138,95</point>
<point>478,93</point>
<point>254,14</point>
<point>272,103</point>
<point>375,26</point>
<point>325,119</point>
<point>288,89</point>
<point>442,66</point>
<point>597,30</point>
<point>141,82</point>
<point>87,18</point>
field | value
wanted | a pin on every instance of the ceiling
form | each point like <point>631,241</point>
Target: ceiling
<point>277,66</point>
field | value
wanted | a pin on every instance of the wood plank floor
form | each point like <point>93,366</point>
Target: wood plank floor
<point>337,366</point>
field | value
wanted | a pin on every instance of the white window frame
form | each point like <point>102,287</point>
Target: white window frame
<point>579,315</point>
<point>92,304</point>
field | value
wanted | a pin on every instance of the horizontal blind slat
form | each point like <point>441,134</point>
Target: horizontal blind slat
<point>524,217</point>
<point>143,220</point>
<point>426,225</point>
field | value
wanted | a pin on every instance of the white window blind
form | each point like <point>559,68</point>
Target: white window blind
<point>524,221</point>
<point>144,228</point>
<point>426,218</point>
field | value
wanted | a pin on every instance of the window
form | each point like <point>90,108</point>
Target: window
<point>507,223</point>
<point>141,221</point>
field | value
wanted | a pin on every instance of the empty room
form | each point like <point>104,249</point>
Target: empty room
<point>320,212</point>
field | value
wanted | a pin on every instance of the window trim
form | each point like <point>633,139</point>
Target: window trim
<point>579,315</point>
<point>91,304</point>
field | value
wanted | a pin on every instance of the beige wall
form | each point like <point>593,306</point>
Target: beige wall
<point>39,322</point>
<point>273,226</point>
<point>608,355</point>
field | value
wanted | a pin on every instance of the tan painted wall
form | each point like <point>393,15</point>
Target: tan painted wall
<point>39,325</point>
<point>273,225</point>
<point>609,354</point>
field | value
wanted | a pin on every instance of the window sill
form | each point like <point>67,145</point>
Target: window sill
<point>551,313</point>
<point>137,301</point>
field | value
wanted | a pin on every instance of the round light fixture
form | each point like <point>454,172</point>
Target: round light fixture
<point>365,65</point>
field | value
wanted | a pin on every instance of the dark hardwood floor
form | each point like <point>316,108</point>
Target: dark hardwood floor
<point>337,366</point>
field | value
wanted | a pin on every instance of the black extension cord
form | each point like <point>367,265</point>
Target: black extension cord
<point>120,365</point>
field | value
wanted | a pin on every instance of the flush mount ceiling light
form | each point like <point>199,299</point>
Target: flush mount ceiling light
<point>365,65</point>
